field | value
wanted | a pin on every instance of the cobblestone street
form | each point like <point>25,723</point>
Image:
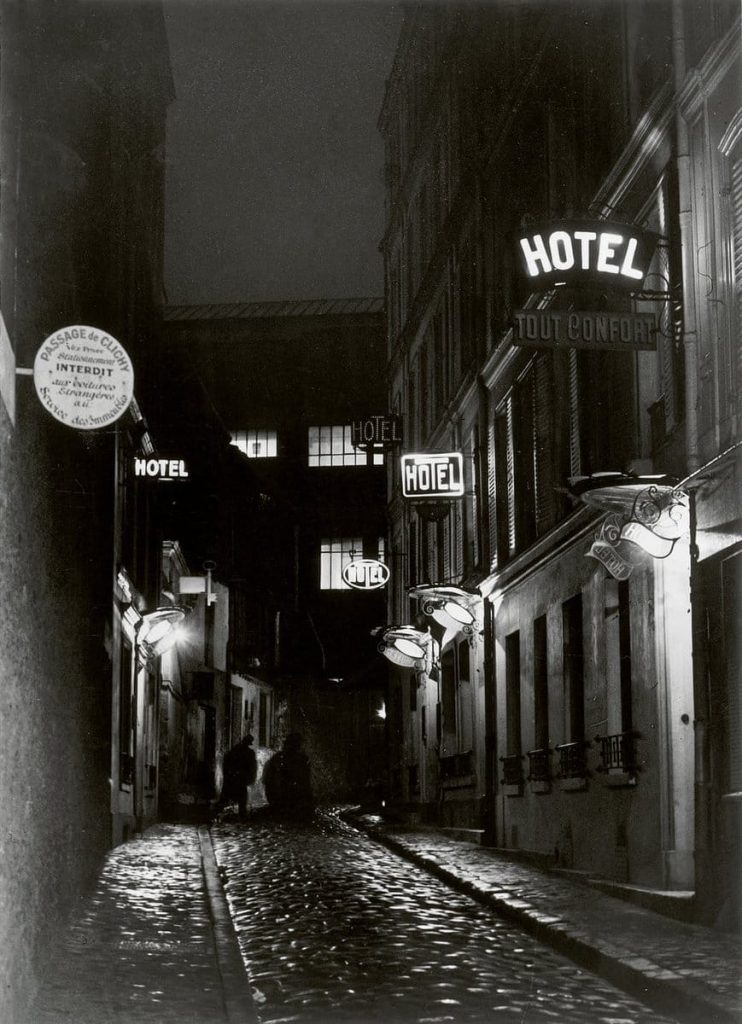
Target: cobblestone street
<point>333,926</point>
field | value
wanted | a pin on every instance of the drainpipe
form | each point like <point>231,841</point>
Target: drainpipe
<point>702,805</point>
<point>682,158</point>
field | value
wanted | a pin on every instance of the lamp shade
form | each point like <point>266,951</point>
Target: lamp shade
<point>159,630</point>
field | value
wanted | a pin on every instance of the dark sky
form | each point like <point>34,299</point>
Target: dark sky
<point>275,165</point>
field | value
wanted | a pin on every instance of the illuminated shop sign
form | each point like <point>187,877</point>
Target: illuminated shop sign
<point>366,574</point>
<point>428,475</point>
<point>379,431</point>
<point>549,328</point>
<point>616,256</point>
<point>161,469</point>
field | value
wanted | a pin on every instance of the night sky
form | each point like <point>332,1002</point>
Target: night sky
<point>274,162</point>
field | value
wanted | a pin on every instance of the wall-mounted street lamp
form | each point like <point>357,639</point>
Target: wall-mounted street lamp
<point>407,646</point>
<point>158,631</point>
<point>451,607</point>
<point>651,512</point>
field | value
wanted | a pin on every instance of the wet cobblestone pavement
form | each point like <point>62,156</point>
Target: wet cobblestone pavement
<point>335,927</point>
<point>142,947</point>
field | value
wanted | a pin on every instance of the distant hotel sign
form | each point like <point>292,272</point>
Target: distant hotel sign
<point>429,475</point>
<point>366,574</point>
<point>551,328</point>
<point>376,431</point>
<point>83,377</point>
<point>615,256</point>
<point>161,469</point>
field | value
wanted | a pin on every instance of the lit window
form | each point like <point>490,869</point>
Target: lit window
<point>332,446</point>
<point>335,554</point>
<point>256,444</point>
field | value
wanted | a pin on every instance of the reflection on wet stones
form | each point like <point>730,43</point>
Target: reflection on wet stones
<point>334,927</point>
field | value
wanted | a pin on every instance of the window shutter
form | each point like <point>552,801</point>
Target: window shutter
<point>492,513</point>
<point>510,474</point>
<point>736,200</point>
<point>575,460</point>
<point>543,439</point>
<point>458,554</point>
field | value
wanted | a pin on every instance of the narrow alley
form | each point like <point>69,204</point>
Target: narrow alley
<point>346,918</point>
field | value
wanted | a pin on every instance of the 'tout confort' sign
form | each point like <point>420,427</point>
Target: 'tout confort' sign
<point>83,377</point>
<point>615,256</point>
<point>366,574</point>
<point>427,475</point>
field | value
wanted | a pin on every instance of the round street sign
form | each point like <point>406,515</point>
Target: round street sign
<point>83,377</point>
<point>366,574</point>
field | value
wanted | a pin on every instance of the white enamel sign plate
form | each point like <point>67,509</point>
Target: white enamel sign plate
<point>83,377</point>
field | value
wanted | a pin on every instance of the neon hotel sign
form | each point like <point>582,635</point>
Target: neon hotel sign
<point>603,252</point>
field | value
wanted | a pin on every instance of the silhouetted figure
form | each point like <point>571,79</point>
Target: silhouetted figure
<point>240,771</point>
<point>287,780</point>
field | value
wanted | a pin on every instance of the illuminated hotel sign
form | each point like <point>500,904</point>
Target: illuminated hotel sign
<point>161,469</point>
<point>429,475</point>
<point>366,574</point>
<point>376,431</point>
<point>553,328</point>
<point>615,256</point>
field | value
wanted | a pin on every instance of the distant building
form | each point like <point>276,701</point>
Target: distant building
<point>590,716</point>
<point>288,380</point>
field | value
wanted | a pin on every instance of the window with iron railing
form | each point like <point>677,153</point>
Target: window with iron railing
<point>456,765</point>
<point>573,759</point>
<point>539,769</point>
<point>512,770</point>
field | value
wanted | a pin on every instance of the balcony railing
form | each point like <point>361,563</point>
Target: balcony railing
<point>618,752</point>
<point>455,765</point>
<point>512,770</point>
<point>539,769</point>
<point>573,759</point>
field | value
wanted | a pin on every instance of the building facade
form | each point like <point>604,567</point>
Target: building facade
<point>561,306</point>
<point>81,213</point>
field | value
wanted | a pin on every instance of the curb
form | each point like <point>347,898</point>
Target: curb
<point>665,991</point>
<point>238,999</point>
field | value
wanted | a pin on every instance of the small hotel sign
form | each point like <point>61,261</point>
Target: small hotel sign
<point>616,256</point>
<point>548,328</point>
<point>427,475</point>
<point>376,431</point>
<point>161,469</point>
<point>366,574</point>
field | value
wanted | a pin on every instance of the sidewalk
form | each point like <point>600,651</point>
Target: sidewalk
<point>684,970</point>
<point>152,943</point>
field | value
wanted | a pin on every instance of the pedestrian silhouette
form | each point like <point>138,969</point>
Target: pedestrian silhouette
<point>287,780</point>
<point>240,771</point>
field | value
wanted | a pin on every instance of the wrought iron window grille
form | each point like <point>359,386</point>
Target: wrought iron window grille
<point>512,770</point>
<point>539,768</point>
<point>573,759</point>
<point>455,765</point>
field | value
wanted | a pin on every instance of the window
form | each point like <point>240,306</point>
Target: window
<point>256,444</point>
<point>540,685</point>
<point>618,655</point>
<point>332,446</point>
<point>335,554</point>
<point>512,692</point>
<point>574,667</point>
